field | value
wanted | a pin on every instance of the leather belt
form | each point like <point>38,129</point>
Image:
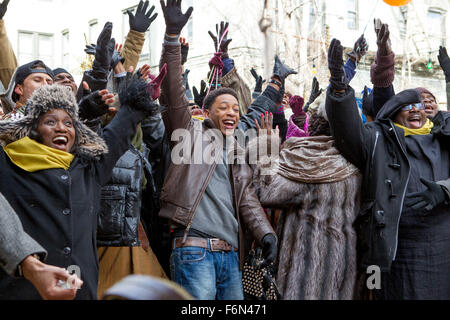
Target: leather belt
<point>210,243</point>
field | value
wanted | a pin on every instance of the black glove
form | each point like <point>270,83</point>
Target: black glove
<point>315,92</point>
<point>199,97</point>
<point>259,81</point>
<point>444,61</point>
<point>359,49</point>
<point>428,199</point>
<point>184,53</point>
<point>367,103</point>
<point>91,106</point>
<point>115,59</point>
<point>282,70</point>
<point>225,41</point>
<point>174,17</point>
<point>104,52</point>
<point>134,95</point>
<point>141,21</point>
<point>338,80</point>
<point>3,8</point>
<point>269,249</point>
<point>185,78</point>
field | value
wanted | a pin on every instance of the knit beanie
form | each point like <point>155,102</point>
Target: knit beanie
<point>296,103</point>
<point>424,90</point>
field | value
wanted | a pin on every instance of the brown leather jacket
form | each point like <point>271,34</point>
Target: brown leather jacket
<point>185,184</point>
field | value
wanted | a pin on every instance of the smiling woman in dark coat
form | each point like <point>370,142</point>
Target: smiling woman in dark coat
<point>52,167</point>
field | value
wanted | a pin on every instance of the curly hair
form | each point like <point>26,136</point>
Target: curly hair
<point>318,126</point>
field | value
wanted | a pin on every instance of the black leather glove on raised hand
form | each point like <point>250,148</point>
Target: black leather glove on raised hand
<point>141,20</point>
<point>338,80</point>
<point>91,106</point>
<point>174,17</point>
<point>282,70</point>
<point>115,59</point>
<point>269,249</point>
<point>315,92</point>
<point>184,52</point>
<point>104,52</point>
<point>428,199</point>
<point>3,8</point>
<point>444,61</point>
<point>367,103</point>
<point>200,96</point>
<point>259,81</point>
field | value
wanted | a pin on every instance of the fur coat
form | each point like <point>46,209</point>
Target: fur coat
<point>318,192</point>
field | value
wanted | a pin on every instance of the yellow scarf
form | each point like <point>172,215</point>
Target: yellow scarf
<point>201,118</point>
<point>32,156</point>
<point>426,129</point>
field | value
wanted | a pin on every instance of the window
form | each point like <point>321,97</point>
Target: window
<point>352,14</point>
<point>93,31</point>
<point>436,27</point>
<point>65,49</point>
<point>35,46</point>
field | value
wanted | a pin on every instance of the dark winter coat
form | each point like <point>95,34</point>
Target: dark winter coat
<point>59,208</point>
<point>378,150</point>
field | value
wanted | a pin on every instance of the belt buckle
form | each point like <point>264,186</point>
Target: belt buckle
<point>210,240</point>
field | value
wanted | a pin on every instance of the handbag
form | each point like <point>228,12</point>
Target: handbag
<point>258,282</point>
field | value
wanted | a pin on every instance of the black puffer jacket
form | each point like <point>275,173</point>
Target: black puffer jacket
<point>121,198</point>
<point>378,150</point>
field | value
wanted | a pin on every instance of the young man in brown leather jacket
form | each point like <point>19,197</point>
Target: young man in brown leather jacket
<point>208,202</point>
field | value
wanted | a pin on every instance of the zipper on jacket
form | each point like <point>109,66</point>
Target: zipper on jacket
<point>404,190</point>
<point>197,202</point>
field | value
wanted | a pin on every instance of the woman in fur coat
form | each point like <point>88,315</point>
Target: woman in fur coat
<point>52,168</point>
<point>318,192</point>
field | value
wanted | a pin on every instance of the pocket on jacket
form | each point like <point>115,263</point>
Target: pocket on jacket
<point>112,212</point>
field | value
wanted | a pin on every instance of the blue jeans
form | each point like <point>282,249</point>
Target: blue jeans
<point>207,275</point>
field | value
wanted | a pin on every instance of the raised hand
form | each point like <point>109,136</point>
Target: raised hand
<point>259,80</point>
<point>383,40</point>
<point>444,61</point>
<point>142,20</point>
<point>3,8</point>
<point>225,41</point>
<point>104,50</point>
<point>359,49</point>
<point>282,70</point>
<point>174,17</point>
<point>94,104</point>
<point>338,80</point>
<point>266,126</point>
<point>184,50</point>
<point>199,96</point>
<point>315,92</point>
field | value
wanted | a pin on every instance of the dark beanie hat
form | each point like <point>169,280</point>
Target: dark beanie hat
<point>25,70</point>
<point>423,90</point>
<point>296,103</point>
<point>60,70</point>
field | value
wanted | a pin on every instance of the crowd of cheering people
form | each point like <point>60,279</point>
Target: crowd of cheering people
<point>107,175</point>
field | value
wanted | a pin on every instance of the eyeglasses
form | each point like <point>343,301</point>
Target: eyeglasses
<point>417,106</point>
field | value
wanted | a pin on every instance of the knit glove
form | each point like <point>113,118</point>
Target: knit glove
<point>444,61</point>
<point>141,21</point>
<point>269,249</point>
<point>134,95</point>
<point>428,199</point>
<point>91,106</point>
<point>174,17</point>
<point>383,40</point>
<point>282,70</point>
<point>3,8</point>
<point>338,80</point>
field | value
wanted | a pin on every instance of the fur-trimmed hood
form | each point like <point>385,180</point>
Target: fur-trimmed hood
<point>87,143</point>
